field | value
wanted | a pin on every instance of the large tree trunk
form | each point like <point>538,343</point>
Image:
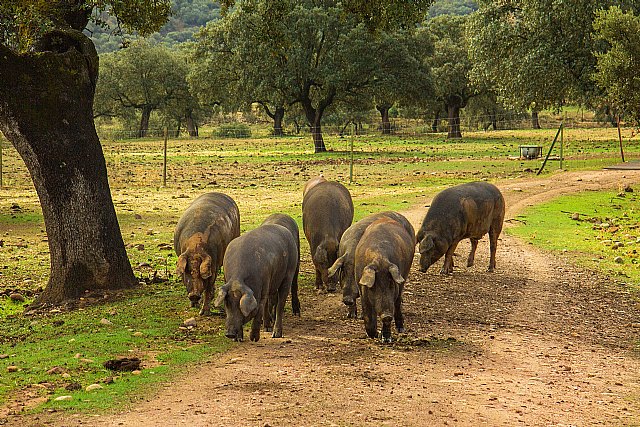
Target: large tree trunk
<point>192,127</point>
<point>535,122</point>
<point>278,118</point>
<point>384,115</point>
<point>144,121</point>
<point>454,121</point>
<point>314,118</point>
<point>436,122</point>
<point>318,140</point>
<point>46,112</point>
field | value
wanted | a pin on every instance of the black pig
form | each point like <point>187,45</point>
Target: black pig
<point>327,211</point>
<point>291,225</point>
<point>344,265</point>
<point>466,211</point>
<point>382,262</point>
<point>258,266</point>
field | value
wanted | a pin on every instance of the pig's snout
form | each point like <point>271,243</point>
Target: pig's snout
<point>387,318</point>
<point>195,299</point>
<point>234,334</point>
<point>423,269</point>
<point>347,300</point>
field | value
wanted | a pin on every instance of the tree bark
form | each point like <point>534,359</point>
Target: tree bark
<point>192,127</point>
<point>384,115</point>
<point>318,140</point>
<point>144,121</point>
<point>436,122</point>
<point>535,122</point>
<point>46,112</point>
<point>278,118</point>
<point>454,120</point>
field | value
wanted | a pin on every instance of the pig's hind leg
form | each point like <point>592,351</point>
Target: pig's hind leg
<point>472,253</point>
<point>283,293</point>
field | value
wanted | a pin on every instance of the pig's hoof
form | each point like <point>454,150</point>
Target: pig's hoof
<point>386,340</point>
<point>277,335</point>
<point>401,330</point>
<point>268,329</point>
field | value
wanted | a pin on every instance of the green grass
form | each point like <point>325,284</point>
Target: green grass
<point>145,324</point>
<point>263,175</point>
<point>605,236</point>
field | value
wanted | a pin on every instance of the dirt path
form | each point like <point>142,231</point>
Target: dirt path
<point>536,343</point>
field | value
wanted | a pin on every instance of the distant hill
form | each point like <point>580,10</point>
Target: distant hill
<point>187,18</point>
<point>452,7</point>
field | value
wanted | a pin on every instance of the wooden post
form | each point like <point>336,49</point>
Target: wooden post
<point>619,139</point>
<point>164,162</point>
<point>561,144</point>
<point>1,182</point>
<point>351,161</point>
<point>550,149</point>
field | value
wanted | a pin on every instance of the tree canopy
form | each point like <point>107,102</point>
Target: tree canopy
<point>617,66</point>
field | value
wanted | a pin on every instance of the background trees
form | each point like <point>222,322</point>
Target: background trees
<point>143,79</point>
<point>451,68</point>
<point>617,66</point>
<point>537,54</point>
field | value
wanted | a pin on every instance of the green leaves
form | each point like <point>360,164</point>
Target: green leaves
<point>617,66</point>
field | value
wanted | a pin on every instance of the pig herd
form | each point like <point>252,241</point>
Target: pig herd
<point>370,259</point>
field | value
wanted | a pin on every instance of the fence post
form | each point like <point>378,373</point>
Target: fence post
<point>351,149</point>
<point>164,162</point>
<point>561,143</point>
<point>550,149</point>
<point>1,182</point>
<point>619,138</point>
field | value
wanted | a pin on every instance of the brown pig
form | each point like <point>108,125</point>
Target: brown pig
<point>327,211</point>
<point>344,265</point>
<point>259,266</point>
<point>465,211</point>
<point>383,259</point>
<point>200,239</point>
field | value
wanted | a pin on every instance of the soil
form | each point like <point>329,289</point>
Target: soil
<point>539,342</point>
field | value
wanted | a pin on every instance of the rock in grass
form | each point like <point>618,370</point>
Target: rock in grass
<point>123,364</point>
<point>618,260</point>
<point>16,297</point>
<point>190,322</point>
<point>12,368</point>
<point>61,398</point>
<point>93,387</point>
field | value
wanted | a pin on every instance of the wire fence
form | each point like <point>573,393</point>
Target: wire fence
<point>399,127</point>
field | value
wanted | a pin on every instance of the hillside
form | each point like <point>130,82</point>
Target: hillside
<point>187,18</point>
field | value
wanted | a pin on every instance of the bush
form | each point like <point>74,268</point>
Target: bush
<point>233,130</point>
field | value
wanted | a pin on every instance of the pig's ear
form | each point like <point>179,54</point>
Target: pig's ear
<point>320,257</point>
<point>368,278</point>
<point>205,268</point>
<point>420,235</point>
<point>427,244</point>
<point>248,303</point>
<point>395,274</point>
<point>222,294</point>
<point>182,264</point>
<point>337,266</point>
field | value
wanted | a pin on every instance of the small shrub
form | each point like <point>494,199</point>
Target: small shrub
<point>233,130</point>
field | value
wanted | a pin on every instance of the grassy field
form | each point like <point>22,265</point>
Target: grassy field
<point>263,175</point>
<point>600,230</point>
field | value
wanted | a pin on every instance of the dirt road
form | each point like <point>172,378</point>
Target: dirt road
<point>538,343</point>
